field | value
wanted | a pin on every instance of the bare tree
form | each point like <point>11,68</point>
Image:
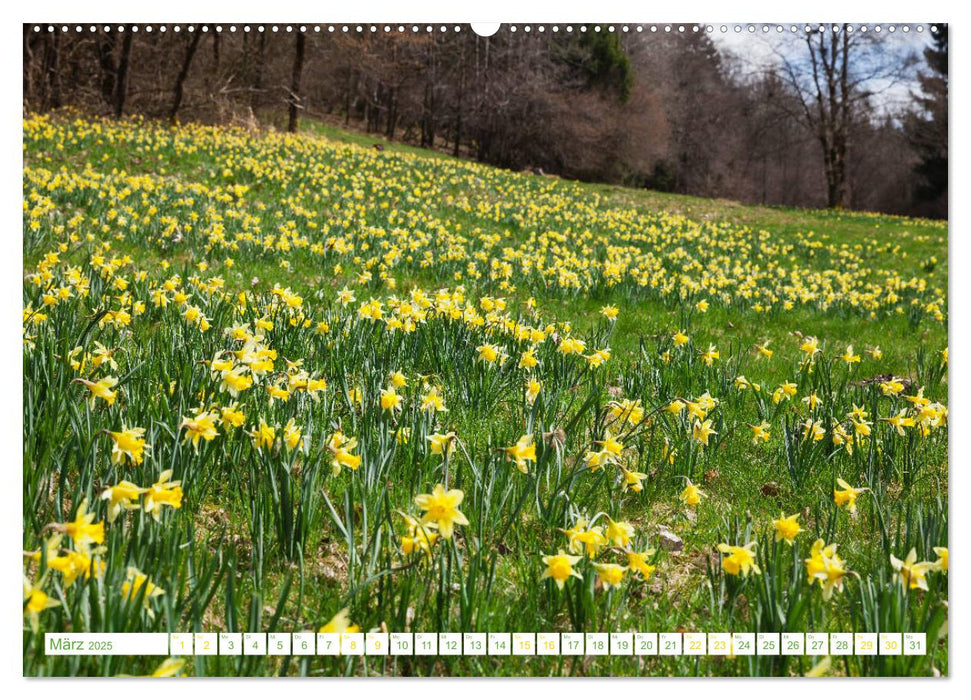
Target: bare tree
<point>830,70</point>
<point>121,80</point>
<point>52,70</point>
<point>259,77</point>
<point>106,61</point>
<point>834,80</point>
<point>28,63</point>
<point>177,91</point>
<point>298,57</point>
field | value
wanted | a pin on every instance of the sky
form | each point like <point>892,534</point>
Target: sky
<point>756,50</point>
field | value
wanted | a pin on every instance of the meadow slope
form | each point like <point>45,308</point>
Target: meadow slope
<point>296,382</point>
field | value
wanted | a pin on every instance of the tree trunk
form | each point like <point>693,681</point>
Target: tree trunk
<point>106,60</point>
<point>215,51</point>
<point>428,117</point>
<point>392,119</point>
<point>830,73</point>
<point>459,98</point>
<point>836,178</point>
<point>183,74</point>
<point>260,72</point>
<point>292,123</point>
<point>121,83</point>
<point>348,89</point>
<point>28,66</point>
<point>52,70</point>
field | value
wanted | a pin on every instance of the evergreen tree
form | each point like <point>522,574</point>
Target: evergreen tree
<point>596,59</point>
<point>926,127</point>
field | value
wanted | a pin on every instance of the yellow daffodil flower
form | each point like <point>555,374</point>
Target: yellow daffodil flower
<point>559,567</point>
<point>441,507</point>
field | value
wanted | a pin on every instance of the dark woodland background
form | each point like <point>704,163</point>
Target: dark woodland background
<point>838,119</point>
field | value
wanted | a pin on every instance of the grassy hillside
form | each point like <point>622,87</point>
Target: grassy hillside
<point>312,333</point>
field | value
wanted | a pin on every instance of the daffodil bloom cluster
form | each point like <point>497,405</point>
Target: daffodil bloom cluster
<point>739,561</point>
<point>825,567</point>
<point>912,574</point>
<point>720,264</point>
<point>586,542</point>
<point>204,348</point>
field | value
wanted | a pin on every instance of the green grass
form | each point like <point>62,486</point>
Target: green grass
<point>273,540</point>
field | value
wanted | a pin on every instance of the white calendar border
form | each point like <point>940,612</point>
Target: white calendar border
<point>440,10</point>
